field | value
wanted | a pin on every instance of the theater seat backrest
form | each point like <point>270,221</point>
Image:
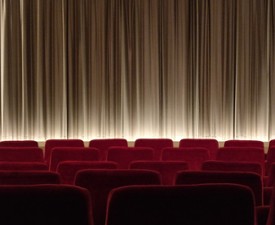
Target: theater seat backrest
<point>211,144</point>
<point>167,169</point>
<point>157,144</point>
<point>101,182</point>
<point>54,143</point>
<point>68,154</point>
<point>104,144</point>
<point>28,177</point>
<point>69,169</point>
<point>251,180</point>
<point>44,205</point>
<point>124,156</point>
<point>220,204</point>
<point>23,143</point>
<point>21,154</point>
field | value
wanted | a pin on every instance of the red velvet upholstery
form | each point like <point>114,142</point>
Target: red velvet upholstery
<point>271,215</point>
<point>167,169</point>
<point>124,156</point>
<point>28,177</point>
<point>242,154</point>
<point>44,205</point>
<point>61,154</point>
<point>221,204</point>
<point>23,143</point>
<point>101,182</point>
<point>249,179</point>
<point>244,143</point>
<point>268,191</point>
<point>104,144</point>
<point>68,169</point>
<point>211,144</point>
<point>53,143</point>
<point>271,143</point>
<point>23,166</point>
<point>262,214</point>
<point>155,143</point>
<point>233,166</point>
<point>270,159</point>
<point>193,156</point>
<point>271,176</point>
<point>21,154</point>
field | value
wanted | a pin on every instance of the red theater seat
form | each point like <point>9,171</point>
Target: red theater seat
<point>220,204</point>
<point>244,143</point>
<point>270,159</point>
<point>270,182</point>
<point>242,154</point>
<point>24,143</point>
<point>101,182</point>
<point>268,191</point>
<point>271,215</point>
<point>53,143</point>
<point>44,205</point>
<point>23,166</point>
<point>124,156</point>
<point>68,154</point>
<point>211,144</point>
<point>251,180</point>
<point>104,144</point>
<point>155,143</point>
<point>21,154</point>
<point>68,169</point>
<point>233,166</point>
<point>167,169</point>
<point>28,177</point>
<point>271,143</point>
<point>224,166</point>
<point>262,214</point>
<point>194,157</point>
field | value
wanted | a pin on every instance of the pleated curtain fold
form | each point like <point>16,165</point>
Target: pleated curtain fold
<point>137,68</point>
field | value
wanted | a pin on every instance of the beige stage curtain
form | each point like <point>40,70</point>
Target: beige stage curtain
<point>271,67</point>
<point>33,69</point>
<point>137,68</point>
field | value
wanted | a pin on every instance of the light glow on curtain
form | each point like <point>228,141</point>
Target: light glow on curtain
<point>137,68</point>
